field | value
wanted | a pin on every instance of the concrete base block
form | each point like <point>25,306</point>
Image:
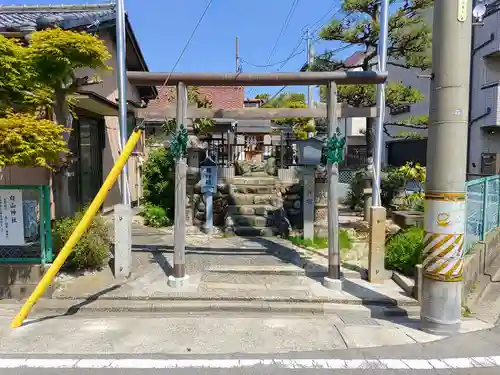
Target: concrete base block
<point>441,307</point>
<point>332,284</point>
<point>18,281</point>
<point>376,255</point>
<point>123,242</point>
<point>177,282</point>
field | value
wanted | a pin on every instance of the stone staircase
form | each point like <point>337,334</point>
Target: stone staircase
<point>255,208</point>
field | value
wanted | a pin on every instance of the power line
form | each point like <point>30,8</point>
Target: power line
<point>283,28</point>
<point>188,41</point>
<point>292,54</point>
<point>276,63</point>
<point>326,14</point>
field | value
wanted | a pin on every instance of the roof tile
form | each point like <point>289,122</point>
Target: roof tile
<point>223,97</point>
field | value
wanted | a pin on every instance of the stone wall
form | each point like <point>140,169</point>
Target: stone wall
<point>220,205</point>
<point>291,193</point>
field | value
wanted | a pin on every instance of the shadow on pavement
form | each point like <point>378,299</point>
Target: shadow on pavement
<point>75,308</point>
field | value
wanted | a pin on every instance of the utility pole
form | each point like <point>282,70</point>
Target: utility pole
<point>123,216</point>
<point>310,88</point>
<point>445,193</point>
<point>376,212</point>
<point>237,56</point>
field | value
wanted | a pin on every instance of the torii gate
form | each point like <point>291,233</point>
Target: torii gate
<point>332,112</point>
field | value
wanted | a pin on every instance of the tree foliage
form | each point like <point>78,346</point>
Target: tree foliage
<point>410,41</point>
<point>200,125</point>
<point>34,79</point>
<point>301,125</point>
<point>27,141</point>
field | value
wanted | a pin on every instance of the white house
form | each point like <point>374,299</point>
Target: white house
<point>484,118</point>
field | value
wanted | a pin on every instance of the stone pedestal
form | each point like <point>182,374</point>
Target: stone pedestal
<point>321,209</point>
<point>308,202</point>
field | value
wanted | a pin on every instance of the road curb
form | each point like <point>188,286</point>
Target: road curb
<point>368,302</point>
<point>70,307</point>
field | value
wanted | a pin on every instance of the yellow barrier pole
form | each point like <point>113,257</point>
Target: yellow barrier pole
<point>79,230</point>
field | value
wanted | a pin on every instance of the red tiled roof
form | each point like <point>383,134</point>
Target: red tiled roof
<point>223,97</point>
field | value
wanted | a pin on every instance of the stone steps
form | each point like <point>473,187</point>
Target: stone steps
<point>249,231</point>
<point>252,209</point>
<point>248,180</point>
<point>240,199</point>
<point>252,220</point>
<point>253,200</point>
<point>254,189</point>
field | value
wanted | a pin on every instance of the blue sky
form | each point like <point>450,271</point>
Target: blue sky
<point>163,27</point>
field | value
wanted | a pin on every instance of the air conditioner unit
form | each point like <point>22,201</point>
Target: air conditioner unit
<point>490,163</point>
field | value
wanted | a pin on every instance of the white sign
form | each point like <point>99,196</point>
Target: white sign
<point>11,218</point>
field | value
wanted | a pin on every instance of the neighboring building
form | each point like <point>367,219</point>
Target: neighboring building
<point>223,97</point>
<point>95,137</point>
<point>484,119</point>
<point>253,103</point>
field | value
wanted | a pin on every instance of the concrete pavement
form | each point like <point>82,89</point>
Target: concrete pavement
<point>474,353</point>
<point>209,334</point>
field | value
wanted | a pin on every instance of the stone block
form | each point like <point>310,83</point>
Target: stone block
<point>18,281</point>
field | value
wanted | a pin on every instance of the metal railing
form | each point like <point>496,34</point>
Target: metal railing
<point>483,206</point>
<point>25,228</point>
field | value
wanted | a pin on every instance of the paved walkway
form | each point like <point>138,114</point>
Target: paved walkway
<point>229,268</point>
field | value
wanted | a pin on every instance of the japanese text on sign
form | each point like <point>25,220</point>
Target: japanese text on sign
<point>11,218</point>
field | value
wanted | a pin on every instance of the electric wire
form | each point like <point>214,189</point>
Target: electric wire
<point>188,42</point>
<point>283,28</point>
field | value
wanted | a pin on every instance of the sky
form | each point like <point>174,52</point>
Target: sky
<point>164,26</point>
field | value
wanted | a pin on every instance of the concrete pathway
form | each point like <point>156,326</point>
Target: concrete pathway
<point>229,268</point>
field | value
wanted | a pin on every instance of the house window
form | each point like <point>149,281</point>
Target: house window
<point>401,109</point>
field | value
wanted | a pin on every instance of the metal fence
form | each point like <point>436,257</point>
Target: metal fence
<point>25,229</point>
<point>483,205</point>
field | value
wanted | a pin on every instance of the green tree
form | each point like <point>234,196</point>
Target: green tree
<point>35,82</point>
<point>301,125</point>
<point>410,41</point>
<point>200,125</point>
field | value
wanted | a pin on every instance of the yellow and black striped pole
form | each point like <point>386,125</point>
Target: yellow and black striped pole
<point>445,198</point>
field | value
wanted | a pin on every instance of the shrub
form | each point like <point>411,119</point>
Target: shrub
<point>404,250</point>
<point>159,184</point>
<point>354,198</point>
<point>391,183</point>
<point>155,216</point>
<point>92,250</point>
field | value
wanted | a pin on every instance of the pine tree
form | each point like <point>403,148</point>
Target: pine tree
<point>409,47</point>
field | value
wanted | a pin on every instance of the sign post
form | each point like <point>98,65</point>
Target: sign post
<point>208,169</point>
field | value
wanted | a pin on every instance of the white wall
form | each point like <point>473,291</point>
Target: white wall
<point>485,92</point>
